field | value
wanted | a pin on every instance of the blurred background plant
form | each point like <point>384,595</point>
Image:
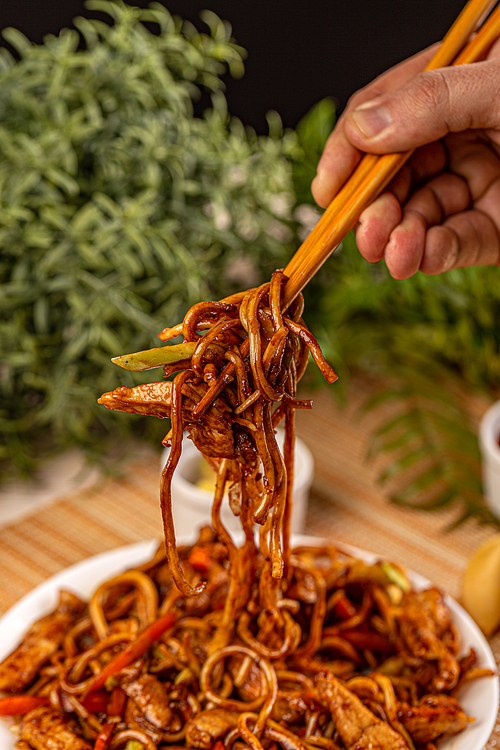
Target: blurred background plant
<point>119,208</point>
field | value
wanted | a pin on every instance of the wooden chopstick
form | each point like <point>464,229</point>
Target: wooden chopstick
<point>375,172</point>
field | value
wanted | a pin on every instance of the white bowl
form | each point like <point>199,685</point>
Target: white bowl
<point>192,505</point>
<point>478,698</point>
<point>489,432</point>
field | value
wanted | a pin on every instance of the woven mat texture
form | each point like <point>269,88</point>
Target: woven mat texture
<point>345,504</point>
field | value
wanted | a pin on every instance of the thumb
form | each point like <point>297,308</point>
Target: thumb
<point>428,107</point>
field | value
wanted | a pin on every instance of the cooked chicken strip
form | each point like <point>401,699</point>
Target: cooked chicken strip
<point>151,697</point>
<point>207,726</point>
<point>434,716</point>
<point>357,726</point>
<point>47,729</point>
<point>422,623</point>
<point>42,640</point>
<point>212,433</point>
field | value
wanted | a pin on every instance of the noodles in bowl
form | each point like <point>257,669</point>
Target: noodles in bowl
<point>254,645</point>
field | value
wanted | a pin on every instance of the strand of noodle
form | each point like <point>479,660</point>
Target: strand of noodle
<point>69,644</point>
<point>343,647</point>
<point>273,355</point>
<point>287,675</point>
<point>245,423</point>
<point>287,739</point>
<point>232,704</point>
<point>215,389</point>
<point>248,552</point>
<point>250,738</point>
<point>310,341</point>
<point>254,337</point>
<point>173,736</point>
<point>165,488</point>
<point>318,614</point>
<point>365,687</point>
<point>244,390</point>
<point>291,630</point>
<point>248,402</point>
<point>127,735</point>
<point>272,682</point>
<point>390,705</point>
<point>170,333</point>
<point>208,338</point>
<point>82,712</point>
<point>275,287</point>
<point>157,559</point>
<point>141,582</point>
<point>296,403</point>
<point>259,410</point>
<point>289,458</point>
<point>169,602</point>
<point>226,626</point>
<point>190,322</point>
<point>314,740</point>
<point>75,686</point>
<point>279,498</point>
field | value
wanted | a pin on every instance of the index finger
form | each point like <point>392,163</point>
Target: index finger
<point>340,157</point>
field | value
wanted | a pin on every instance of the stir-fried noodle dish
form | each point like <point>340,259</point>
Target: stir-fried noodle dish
<point>258,646</point>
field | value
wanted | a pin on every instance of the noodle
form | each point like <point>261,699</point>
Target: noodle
<point>256,646</point>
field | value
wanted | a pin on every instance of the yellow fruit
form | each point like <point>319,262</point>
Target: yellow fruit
<point>481,586</point>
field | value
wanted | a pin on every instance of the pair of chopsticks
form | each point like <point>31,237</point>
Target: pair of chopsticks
<point>374,172</point>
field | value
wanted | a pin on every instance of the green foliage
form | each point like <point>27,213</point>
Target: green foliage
<point>312,131</point>
<point>119,209</point>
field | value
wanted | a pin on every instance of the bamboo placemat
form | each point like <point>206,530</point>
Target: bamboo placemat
<point>345,504</point>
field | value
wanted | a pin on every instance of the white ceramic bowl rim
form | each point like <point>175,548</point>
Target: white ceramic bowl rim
<point>489,432</point>
<point>304,467</point>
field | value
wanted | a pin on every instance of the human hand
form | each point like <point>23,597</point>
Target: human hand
<point>442,210</point>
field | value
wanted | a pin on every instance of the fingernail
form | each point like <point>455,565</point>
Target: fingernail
<point>371,121</point>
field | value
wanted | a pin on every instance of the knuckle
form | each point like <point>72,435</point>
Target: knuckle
<point>431,90</point>
<point>363,95</point>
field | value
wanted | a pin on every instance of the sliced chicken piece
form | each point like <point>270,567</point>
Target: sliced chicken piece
<point>292,706</point>
<point>422,623</point>
<point>206,727</point>
<point>153,399</point>
<point>41,641</point>
<point>47,729</point>
<point>151,698</point>
<point>212,433</point>
<point>135,719</point>
<point>357,726</point>
<point>434,716</point>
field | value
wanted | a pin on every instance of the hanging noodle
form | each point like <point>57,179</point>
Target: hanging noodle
<point>254,646</point>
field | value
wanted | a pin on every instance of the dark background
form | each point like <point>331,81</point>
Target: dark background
<point>298,52</point>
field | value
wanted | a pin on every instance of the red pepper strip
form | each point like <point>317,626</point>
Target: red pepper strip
<point>366,639</point>
<point>219,745</point>
<point>104,736</point>
<point>344,609</point>
<point>117,702</point>
<point>199,559</point>
<point>14,705</point>
<point>132,651</point>
<point>97,702</point>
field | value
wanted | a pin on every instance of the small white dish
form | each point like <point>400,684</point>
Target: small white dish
<point>478,699</point>
<point>489,433</point>
<point>192,505</point>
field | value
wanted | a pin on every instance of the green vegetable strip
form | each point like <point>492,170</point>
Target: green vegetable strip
<point>151,358</point>
<point>396,576</point>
